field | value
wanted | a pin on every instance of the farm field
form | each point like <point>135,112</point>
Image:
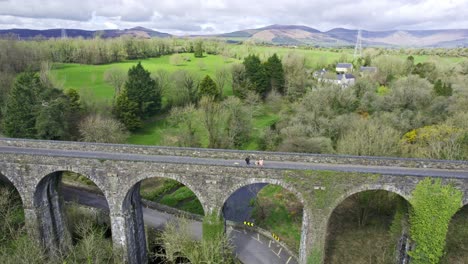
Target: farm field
<point>91,77</point>
<point>317,57</point>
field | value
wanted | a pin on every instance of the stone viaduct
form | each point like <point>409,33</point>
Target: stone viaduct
<point>321,182</point>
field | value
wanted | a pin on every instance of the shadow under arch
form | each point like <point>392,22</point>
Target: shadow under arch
<point>50,210</point>
<point>364,188</point>
<point>133,214</point>
<point>341,222</point>
<point>456,247</point>
<point>259,184</point>
<point>13,204</point>
<point>4,179</point>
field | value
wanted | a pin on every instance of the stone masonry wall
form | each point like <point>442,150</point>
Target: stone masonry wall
<point>319,191</point>
<point>236,154</point>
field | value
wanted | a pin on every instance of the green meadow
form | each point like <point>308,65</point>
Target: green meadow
<point>91,77</point>
<point>89,80</point>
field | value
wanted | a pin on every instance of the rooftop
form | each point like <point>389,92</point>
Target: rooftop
<point>344,65</point>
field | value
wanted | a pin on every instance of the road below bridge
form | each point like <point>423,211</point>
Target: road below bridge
<point>250,247</point>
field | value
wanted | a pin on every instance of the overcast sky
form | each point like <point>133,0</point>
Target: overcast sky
<point>215,16</point>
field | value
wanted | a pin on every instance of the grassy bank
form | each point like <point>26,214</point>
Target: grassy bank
<point>280,212</point>
<point>171,193</point>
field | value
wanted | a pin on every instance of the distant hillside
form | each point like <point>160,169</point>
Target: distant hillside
<point>283,35</point>
<point>139,32</point>
<point>302,35</point>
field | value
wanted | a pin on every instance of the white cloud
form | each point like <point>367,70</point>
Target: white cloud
<point>202,16</point>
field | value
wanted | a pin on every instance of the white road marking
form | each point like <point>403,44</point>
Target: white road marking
<point>269,244</point>
<point>279,252</point>
<point>289,259</point>
<point>258,238</point>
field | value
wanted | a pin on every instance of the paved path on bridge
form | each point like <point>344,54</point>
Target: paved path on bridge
<point>423,172</point>
<point>250,247</point>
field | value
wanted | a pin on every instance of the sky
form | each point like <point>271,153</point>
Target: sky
<point>183,17</point>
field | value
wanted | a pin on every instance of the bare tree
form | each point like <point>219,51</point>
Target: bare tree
<point>222,76</point>
<point>213,121</point>
<point>115,77</point>
<point>97,128</point>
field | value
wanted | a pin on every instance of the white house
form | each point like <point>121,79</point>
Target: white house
<point>344,80</point>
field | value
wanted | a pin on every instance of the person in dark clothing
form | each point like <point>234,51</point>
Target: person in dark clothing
<point>247,160</point>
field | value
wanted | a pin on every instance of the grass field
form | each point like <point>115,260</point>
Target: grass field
<point>91,77</point>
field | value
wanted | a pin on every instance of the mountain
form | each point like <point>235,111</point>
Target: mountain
<point>283,35</point>
<point>139,32</point>
<point>303,35</point>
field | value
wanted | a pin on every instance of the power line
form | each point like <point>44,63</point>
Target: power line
<point>358,47</point>
<point>64,33</point>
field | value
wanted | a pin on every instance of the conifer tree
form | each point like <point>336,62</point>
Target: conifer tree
<point>20,111</point>
<point>198,49</point>
<point>275,74</point>
<point>256,74</point>
<point>208,88</point>
<point>143,91</point>
<point>126,111</point>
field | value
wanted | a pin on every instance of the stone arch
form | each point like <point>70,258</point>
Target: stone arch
<point>171,176</point>
<point>133,213</point>
<point>49,208</point>
<point>98,181</point>
<point>360,189</point>
<point>249,181</point>
<point>363,188</point>
<point>305,216</point>
<point>9,180</point>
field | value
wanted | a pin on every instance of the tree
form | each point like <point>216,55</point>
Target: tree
<point>442,89</point>
<point>238,123</point>
<point>213,121</point>
<point>185,119</point>
<point>426,70</point>
<point>435,142</point>
<point>221,77</point>
<point>126,111</point>
<point>433,206</point>
<point>240,85</point>
<point>198,48</point>
<point>76,112</point>
<point>369,138</point>
<point>184,90</point>
<point>208,88</point>
<point>295,75</point>
<point>117,78</point>
<point>275,74</point>
<point>52,121</point>
<point>20,111</point>
<point>176,60</point>
<point>256,74</point>
<point>97,128</point>
<point>143,91</point>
